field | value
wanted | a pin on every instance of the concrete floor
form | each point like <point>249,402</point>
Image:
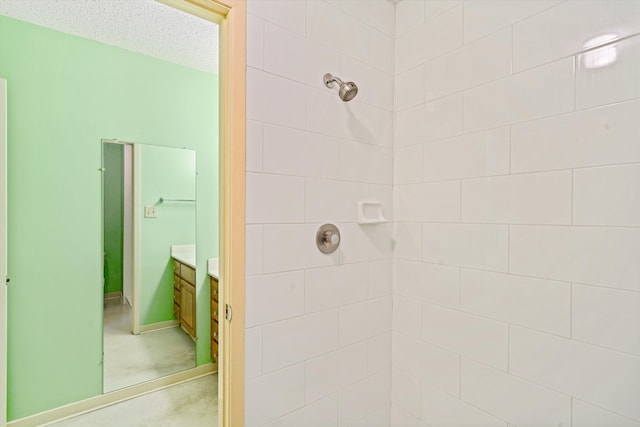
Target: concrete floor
<point>190,404</point>
<point>132,359</point>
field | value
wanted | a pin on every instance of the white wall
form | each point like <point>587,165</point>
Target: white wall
<point>517,207</point>
<point>318,326</point>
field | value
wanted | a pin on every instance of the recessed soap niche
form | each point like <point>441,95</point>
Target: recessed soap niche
<point>370,212</point>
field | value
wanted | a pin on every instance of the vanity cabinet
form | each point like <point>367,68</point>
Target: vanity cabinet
<point>184,296</point>
<point>214,319</point>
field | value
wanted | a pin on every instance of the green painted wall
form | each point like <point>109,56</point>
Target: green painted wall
<point>113,201</point>
<point>169,173</point>
<point>65,93</point>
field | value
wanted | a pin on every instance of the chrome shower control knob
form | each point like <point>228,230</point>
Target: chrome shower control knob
<point>328,238</point>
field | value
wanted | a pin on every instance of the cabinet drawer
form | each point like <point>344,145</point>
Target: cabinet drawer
<point>188,274</point>
<point>214,310</point>
<point>214,289</point>
<point>214,330</point>
<point>176,281</point>
<point>176,267</point>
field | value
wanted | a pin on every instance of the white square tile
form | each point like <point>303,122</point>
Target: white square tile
<point>380,417</point>
<point>381,16</point>
<point>289,14</point>
<point>263,89</point>
<point>409,15</point>
<point>333,201</point>
<point>332,287</point>
<point>328,115</point>
<point>274,198</point>
<point>290,151</point>
<point>253,249</point>
<point>429,363</point>
<point>363,398</point>
<point>433,201</point>
<point>540,304</point>
<point>407,316</point>
<point>252,352</point>
<point>482,246</point>
<point>607,317</point>
<point>556,33</point>
<point>586,415</point>
<point>441,409</point>
<point>482,17</point>
<point>367,242</point>
<point>379,353</point>
<point>407,164</point>
<point>285,291</point>
<point>381,127</point>
<point>298,339</point>
<point>333,371</point>
<point>364,320</point>
<point>434,120</point>
<point>432,9</point>
<point>409,88</point>
<point>479,62</point>
<point>382,51</point>
<point>476,154</point>
<point>512,399</point>
<point>254,146</point>
<point>382,193</point>
<point>536,93</point>
<point>293,247</point>
<point>405,392</point>
<point>599,256</point>
<point>355,38</point>
<point>380,278</point>
<point>273,395</point>
<point>324,23</point>
<point>599,136</point>
<point>607,196</point>
<point>431,39</point>
<point>435,283</point>
<point>537,198</point>
<point>366,163</point>
<point>407,240</point>
<point>321,413</point>
<point>255,41</point>
<point>278,45</point>
<point>618,81</point>
<point>581,370</point>
<point>400,417</point>
<point>480,338</point>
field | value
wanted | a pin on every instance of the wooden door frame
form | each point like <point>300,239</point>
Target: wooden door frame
<point>231,16</point>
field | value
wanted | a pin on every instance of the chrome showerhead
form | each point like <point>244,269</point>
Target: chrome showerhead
<point>346,90</point>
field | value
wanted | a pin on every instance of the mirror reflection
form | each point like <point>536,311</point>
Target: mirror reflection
<point>149,310</point>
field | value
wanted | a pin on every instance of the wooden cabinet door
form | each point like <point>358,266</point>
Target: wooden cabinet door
<point>188,307</point>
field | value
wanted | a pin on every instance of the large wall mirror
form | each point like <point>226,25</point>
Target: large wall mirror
<point>149,239</point>
<point>72,99</point>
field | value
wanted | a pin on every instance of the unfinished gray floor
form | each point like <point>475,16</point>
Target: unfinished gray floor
<point>190,404</point>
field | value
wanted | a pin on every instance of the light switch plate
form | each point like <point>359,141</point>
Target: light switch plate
<point>151,212</point>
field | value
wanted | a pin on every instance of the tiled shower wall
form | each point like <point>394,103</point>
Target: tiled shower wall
<point>517,209</point>
<point>318,339</point>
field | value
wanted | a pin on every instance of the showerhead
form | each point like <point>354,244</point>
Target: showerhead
<point>347,90</point>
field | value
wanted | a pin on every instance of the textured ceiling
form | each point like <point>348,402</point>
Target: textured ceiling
<point>143,26</point>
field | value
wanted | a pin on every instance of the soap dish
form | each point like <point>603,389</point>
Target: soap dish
<point>370,213</point>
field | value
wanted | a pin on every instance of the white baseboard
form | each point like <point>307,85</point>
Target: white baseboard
<point>107,399</point>
<point>159,325</point>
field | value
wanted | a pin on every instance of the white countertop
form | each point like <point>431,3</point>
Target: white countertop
<point>186,254</point>
<point>213,267</point>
